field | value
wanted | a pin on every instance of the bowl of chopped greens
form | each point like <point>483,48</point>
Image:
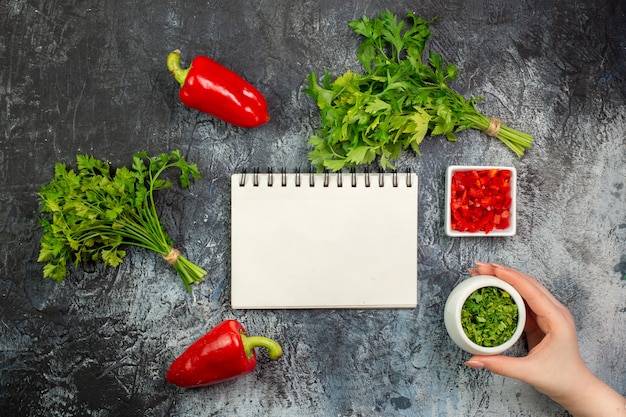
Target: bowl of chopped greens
<point>484,315</point>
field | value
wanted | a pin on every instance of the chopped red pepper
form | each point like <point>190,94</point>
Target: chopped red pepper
<point>214,89</point>
<point>480,200</point>
<point>225,352</point>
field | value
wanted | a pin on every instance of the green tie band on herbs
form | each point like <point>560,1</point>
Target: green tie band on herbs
<point>397,102</point>
<point>89,215</point>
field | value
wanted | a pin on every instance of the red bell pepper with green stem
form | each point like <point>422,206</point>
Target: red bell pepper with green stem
<point>214,89</point>
<point>225,352</point>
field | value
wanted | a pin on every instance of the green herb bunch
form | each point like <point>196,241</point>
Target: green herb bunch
<point>489,316</point>
<point>90,215</point>
<point>401,98</point>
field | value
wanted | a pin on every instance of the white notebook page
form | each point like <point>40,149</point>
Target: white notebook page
<point>324,246</point>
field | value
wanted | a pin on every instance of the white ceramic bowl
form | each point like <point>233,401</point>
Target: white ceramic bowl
<point>509,231</point>
<point>454,304</point>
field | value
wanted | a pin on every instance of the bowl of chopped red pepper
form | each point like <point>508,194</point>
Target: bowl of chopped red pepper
<point>480,201</point>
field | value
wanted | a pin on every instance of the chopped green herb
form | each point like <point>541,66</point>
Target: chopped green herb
<point>400,99</point>
<point>89,214</point>
<point>489,316</point>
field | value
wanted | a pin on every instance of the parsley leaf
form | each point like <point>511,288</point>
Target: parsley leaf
<point>399,100</point>
<point>89,215</point>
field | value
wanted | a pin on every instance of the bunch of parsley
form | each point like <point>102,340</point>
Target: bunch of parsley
<point>89,214</point>
<point>402,97</point>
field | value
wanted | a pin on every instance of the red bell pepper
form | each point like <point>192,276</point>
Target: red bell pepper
<point>214,89</point>
<point>480,200</point>
<point>225,352</point>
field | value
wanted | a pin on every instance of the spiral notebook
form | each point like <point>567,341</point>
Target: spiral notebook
<point>323,240</point>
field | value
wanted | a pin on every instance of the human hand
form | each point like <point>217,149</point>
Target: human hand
<point>553,365</point>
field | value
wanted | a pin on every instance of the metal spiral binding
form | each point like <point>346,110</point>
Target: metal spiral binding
<point>255,177</point>
<point>326,177</point>
<point>298,178</point>
<point>408,178</point>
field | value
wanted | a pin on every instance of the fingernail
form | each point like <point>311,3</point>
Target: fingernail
<point>475,364</point>
<point>498,266</point>
<point>478,263</point>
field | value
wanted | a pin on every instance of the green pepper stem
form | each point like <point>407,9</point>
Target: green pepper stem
<point>173,65</point>
<point>250,342</point>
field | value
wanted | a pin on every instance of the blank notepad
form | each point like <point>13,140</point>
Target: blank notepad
<point>330,240</point>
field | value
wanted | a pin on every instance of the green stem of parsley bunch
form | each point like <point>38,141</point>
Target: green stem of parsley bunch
<point>89,215</point>
<point>402,97</point>
<point>517,141</point>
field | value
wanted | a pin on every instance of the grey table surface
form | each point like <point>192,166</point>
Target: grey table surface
<point>89,77</point>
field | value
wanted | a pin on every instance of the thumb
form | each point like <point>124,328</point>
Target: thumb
<point>502,365</point>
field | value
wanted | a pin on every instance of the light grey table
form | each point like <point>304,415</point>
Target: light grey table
<point>89,77</point>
